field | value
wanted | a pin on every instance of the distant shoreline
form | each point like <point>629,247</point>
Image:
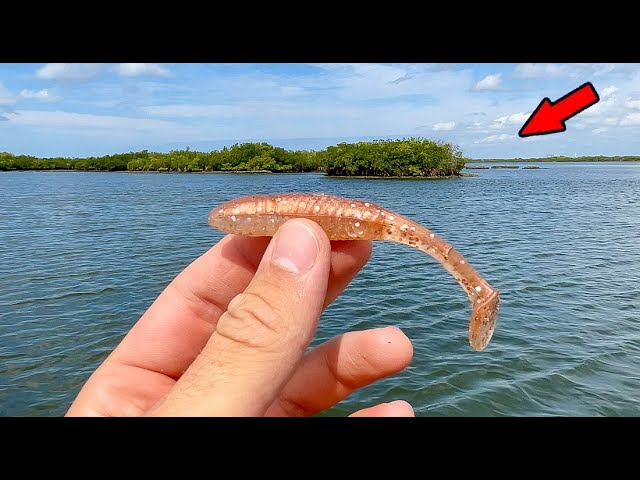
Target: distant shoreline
<point>585,159</point>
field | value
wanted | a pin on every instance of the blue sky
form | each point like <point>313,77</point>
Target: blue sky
<point>96,109</point>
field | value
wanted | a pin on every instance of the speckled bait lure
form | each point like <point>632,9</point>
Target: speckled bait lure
<point>346,219</point>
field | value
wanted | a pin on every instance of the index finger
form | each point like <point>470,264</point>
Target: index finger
<point>176,327</point>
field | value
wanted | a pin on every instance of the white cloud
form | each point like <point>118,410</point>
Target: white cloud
<point>69,71</point>
<point>632,103</point>
<point>631,119</point>
<point>141,69</point>
<point>600,130</point>
<point>513,119</point>
<point>490,82</point>
<point>608,91</point>
<point>444,126</point>
<point>44,95</point>
<point>71,119</point>
<point>6,97</point>
<point>495,138</point>
<point>538,70</point>
<point>607,105</point>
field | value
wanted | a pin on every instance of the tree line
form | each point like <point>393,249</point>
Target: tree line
<point>407,157</point>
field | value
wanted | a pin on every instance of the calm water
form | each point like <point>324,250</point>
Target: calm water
<point>82,255</point>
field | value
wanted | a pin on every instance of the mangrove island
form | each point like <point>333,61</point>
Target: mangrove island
<point>413,157</point>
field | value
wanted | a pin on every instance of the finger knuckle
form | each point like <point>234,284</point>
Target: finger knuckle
<point>253,321</point>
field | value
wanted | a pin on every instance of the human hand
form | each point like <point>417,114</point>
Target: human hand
<point>228,337</point>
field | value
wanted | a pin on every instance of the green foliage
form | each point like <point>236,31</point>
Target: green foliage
<point>384,158</point>
<point>109,163</point>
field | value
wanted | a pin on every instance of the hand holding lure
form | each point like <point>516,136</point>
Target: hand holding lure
<point>346,219</point>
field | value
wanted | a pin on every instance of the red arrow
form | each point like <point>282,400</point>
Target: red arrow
<point>550,116</point>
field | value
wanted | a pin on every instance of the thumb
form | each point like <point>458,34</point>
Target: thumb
<point>264,333</point>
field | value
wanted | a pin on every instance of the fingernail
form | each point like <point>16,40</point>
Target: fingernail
<point>402,408</point>
<point>296,247</point>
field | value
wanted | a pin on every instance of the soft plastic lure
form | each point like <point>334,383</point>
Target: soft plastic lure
<point>346,219</point>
